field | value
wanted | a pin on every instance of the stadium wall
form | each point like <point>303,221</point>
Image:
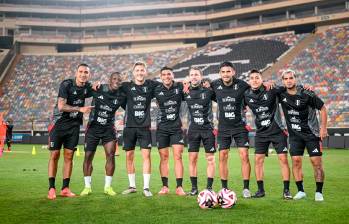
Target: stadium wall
<point>37,48</point>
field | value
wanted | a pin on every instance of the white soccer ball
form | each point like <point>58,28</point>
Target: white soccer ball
<point>207,199</point>
<point>226,198</point>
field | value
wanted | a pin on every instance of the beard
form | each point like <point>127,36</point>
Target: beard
<point>291,87</point>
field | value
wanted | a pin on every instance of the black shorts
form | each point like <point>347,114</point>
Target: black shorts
<point>298,144</point>
<point>96,133</point>
<point>68,137</point>
<point>279,142</point>
<point>132,135</point>
<point>8,139</point>
<point>166,138</point>
<point>240,136</point>
<point>206,136</point>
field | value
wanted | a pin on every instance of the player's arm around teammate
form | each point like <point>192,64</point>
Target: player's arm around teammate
<point>229,93</point>
<point>269,130</point>
<point>169,96</point>
<point>68,118</point>
<point>139,93</point>
<point>199,102</point>
<point>107,99</point>
<point>299,108</point>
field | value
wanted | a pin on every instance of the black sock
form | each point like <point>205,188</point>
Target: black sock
<point>224,183</point>
<point>65,183</point>
<point>164,181</point>
<point>194,182</point>
<point>51,181</point>
<point>179,182</point>
<point>319,186</point>
<point>300,185</point>
<point>209,183</point>
<point>246,184</point>
<point>286,185</point>
<point>260,185</point>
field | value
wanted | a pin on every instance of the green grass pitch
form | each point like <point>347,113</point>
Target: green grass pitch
<point>23,191</point>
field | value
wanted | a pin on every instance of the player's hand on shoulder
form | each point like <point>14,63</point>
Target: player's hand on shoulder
<point>308,87</point>
<point>96,85</point>
<point>186,86</point>
<point>269,85</point>
<point>86,109</point>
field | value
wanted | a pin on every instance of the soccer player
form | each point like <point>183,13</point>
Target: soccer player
<point>229,92</point>
<point>169,96</point>
<point>269,129</point>
<point>9,128</point>
<point>106,100</point>
<point>299,107</point>
<point>139,93</point>
<point>68,115</point>
<point>199,102</point>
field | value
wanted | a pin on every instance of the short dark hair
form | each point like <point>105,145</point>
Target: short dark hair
<point>115,73</point>
<point>226,64</point>
<point>82,64</point>
<point>255,71</point>
<point>206,80</point>
<point>166,68</point>
<point>196,69</point>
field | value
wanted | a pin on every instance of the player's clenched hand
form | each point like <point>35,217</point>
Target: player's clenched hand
<point>86,109</point>
<point>323,133</point>
<point>96,85</point>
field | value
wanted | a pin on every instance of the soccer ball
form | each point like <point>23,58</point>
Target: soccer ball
<point>226,198</point>
<point>207,199</point>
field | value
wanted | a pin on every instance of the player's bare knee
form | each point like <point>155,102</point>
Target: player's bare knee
<point>245,159</point>
<point>210,159</point>
<point>223,155</point>
<point>55,155</point>
<point>178,157</point>
<point>110,157</point>
<point>164,157</point>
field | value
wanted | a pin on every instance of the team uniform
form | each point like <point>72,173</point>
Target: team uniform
<point>67,124</point>
<point>137,114</point>
<point>269,128</point>
<point>9,128</point>
<point>102,118</point>
<point>302,122</point>
<point>169,124</point>
<point>199,103</point>
<point>230,119</point>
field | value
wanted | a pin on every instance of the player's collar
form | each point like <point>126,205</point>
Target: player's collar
<point>234,81</point>
<point>174,84</point>
<point>195,87</point>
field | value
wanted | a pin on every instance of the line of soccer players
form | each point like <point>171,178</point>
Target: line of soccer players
<point>232,95</point>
